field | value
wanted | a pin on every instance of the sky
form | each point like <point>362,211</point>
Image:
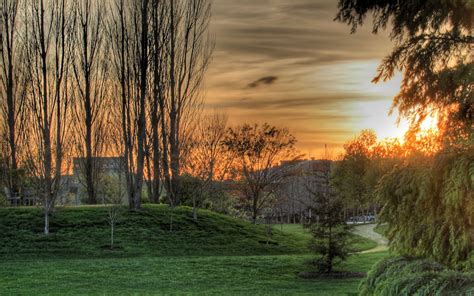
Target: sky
<point>289,64</point>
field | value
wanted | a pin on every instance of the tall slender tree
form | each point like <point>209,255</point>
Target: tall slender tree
<point>90,72</point>
<point>119,42</point>
<point>48,33</point>
<point>158,69</point>
<point>12,90</point>
<point>189,47</point>
<point>129,37</point>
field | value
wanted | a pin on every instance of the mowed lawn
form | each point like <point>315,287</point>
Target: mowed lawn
<point>219,264</point>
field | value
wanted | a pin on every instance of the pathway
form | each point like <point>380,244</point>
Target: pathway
<point>367,231</point>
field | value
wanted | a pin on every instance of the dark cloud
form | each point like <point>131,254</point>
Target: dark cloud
<point>267,80</point>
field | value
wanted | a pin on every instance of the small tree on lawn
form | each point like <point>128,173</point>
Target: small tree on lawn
<point>112,198</point>
<point>327,226</point>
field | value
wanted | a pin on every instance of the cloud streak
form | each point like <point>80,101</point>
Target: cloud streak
<point>316,69</point>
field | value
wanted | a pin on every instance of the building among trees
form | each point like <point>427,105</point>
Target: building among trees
<point>293,199</point>
<point>108,172</point>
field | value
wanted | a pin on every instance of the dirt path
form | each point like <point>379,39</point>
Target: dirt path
<point>367,231</point>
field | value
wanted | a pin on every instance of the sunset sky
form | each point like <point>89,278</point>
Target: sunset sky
<point>289,64</point>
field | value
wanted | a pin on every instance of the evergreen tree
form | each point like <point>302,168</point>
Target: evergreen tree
<point>328,227</point>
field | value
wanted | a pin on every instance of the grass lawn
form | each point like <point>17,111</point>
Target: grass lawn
<point>357,243</point>
<point>216,255</point>
<point>245,275</point>
<point>381,229</point>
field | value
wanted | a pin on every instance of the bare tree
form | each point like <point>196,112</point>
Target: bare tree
<point>258,151</point>
<point>112,197</point>
<point>118,39</point>
<point>48,33</point>
<point>90,72</point>
<point>158,65</point>
<point>129,38</point>
<point>208,160</point>
<point>188,47</point>
<point>12,86</point>
<point>140,18</point>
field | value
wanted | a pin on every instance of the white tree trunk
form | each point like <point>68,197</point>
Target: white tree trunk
<point>112,228</point>
<point>46,222</point>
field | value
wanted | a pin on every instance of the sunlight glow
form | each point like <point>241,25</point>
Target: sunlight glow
<point>374,113</point>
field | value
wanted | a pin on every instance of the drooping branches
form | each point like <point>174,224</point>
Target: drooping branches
<point>433,50</point>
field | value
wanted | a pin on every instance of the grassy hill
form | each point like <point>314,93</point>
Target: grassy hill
<point>84,231</point>
<point>215,255</point>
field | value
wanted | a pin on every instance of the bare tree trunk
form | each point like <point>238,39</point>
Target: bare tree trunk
<point>46,222</point>
<point>8,16</point>
<point>143,93</point>
<point>173,112</point>
<point>90,73</point>
<point>112,229</point>
<point>254,209</point>
<point>119,40</point>
<point>48,54</point>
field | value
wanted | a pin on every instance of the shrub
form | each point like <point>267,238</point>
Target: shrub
<point>410,276</point>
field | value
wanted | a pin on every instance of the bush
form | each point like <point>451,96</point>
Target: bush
<point>3,201</point>
<point>409,276</point>
<point>210,196</point>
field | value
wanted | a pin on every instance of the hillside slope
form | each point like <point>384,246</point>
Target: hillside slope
<point>84,231</point>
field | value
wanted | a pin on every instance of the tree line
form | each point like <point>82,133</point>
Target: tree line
<point>88,79</point>
<point>94,78</point>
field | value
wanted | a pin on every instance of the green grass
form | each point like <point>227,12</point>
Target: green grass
<point>215,255</point>
<point>220,275</point>
<point>381,229</point>
<point>82,231</point>
<point>357,242</point>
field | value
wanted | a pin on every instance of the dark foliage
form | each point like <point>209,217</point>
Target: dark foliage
<point>328,227</point>
<point>408,276</point>
<point>433,50</point>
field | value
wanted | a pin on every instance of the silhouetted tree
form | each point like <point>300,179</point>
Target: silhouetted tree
<point>48,34</point>
<point>350,176</point>
<point>12,92</point>
<point>258,151</point>
<point>90,72</point>
<point>207,158</point>
<point>129,35</point>
<point>188,48</point>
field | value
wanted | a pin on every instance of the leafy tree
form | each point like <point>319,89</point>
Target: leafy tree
<point>428,199</point>
<point>352,176</point>
<point>258,151</point>
<point>328,225</point>
<point>429,206</point>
